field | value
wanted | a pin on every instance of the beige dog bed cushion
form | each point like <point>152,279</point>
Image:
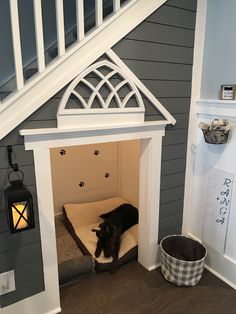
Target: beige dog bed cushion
<point>80,219</point>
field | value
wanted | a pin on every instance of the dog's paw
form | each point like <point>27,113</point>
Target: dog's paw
<point>97,253</point>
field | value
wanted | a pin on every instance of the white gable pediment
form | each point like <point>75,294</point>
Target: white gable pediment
<point>106,93</point>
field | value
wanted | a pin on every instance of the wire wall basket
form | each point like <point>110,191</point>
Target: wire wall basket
<point>216,132</point>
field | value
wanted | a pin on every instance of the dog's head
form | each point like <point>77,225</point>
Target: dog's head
<point>107,239</point>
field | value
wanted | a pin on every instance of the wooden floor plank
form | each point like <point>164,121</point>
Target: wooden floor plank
<point>134,290</point>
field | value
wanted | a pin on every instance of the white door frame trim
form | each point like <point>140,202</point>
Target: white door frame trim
<point>40,141</point>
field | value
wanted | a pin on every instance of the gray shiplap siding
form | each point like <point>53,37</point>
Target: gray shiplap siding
<point>22,251</point>
<point>190,5</point>
<point>160,52</point>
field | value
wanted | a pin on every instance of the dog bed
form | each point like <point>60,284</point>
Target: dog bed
<point>80,219</point>
<point>71,262</point>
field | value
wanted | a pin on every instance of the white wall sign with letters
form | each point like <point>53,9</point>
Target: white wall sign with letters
<point>218,201</point>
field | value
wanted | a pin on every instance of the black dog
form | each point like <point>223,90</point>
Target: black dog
<point>115,223</point>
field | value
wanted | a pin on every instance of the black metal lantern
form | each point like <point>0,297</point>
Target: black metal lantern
<point>19,206</point>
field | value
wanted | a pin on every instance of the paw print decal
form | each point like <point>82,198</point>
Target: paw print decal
<point>62,152</point>
<point>81,184</point>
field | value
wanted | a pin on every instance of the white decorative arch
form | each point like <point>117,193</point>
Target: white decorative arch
<point>96,68</point>
<point>85,113</point>
<point>122,104</point>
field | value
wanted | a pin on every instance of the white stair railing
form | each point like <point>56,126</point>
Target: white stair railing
<point>16,43</point>
<point>39,35</point>
<point>116,5</point>
<point>60,27</point>
<point>98,12</point>
<point>80,20</point>
<point>61,45</point>
<point>68,57</point>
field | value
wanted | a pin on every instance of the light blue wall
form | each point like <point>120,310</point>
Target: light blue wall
<point>219,64</point>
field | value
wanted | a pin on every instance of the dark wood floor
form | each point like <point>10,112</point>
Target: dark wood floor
<point>135,290</point>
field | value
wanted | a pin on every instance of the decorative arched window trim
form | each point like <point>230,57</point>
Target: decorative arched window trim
<point>87,116</point>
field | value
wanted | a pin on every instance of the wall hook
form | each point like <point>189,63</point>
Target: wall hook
<point>13,166</point>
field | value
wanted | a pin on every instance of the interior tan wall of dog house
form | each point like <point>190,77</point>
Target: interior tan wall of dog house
<point>89,173</point>
<point>160,52</point>
<point>129,162</point>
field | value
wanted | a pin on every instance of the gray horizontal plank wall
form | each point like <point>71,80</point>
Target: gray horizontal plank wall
<point>22,251</point>
<point>160,52</point>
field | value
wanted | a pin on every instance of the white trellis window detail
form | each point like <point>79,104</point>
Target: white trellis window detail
<point>103,94</point>
<point>103,90</point>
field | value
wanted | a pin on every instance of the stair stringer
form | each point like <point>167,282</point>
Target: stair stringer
<point>77,58</point>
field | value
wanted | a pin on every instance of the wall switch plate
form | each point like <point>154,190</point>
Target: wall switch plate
<point>7,282</point>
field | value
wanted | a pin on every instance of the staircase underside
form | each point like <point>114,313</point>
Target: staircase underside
<point>61,71</point>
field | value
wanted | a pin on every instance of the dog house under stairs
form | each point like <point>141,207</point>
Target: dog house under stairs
<point>103,104</point>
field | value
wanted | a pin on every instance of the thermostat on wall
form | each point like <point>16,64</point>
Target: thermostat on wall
<point>228,92</point>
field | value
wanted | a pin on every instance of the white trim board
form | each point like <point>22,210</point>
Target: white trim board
<point>216,107</point>
<point>53,131</point>
<point>193,123</point>
<point>51,138</point>
<point>219,264</point>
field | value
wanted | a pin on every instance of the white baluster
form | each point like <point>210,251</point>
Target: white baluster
<point>39,35</point>
<point>80,19</point>
<point>16,43</point>
<point>60,27</point>
<point>116,5</point>
<point>99,12</point>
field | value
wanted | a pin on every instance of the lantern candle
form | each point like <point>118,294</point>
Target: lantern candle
<point>19,207</point>
<point>18,200</point>
<point>20,215</point>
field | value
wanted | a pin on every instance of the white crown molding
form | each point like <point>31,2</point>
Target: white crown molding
<point>216,107</point>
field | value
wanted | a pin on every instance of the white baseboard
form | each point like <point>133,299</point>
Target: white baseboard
<point>55,311</point>
<point>220,277</point>
<point>36,304</point>
<point>154,266</point>
<point>222,263</point>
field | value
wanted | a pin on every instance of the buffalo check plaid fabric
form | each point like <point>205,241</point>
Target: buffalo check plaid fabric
<point>180,272</point>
